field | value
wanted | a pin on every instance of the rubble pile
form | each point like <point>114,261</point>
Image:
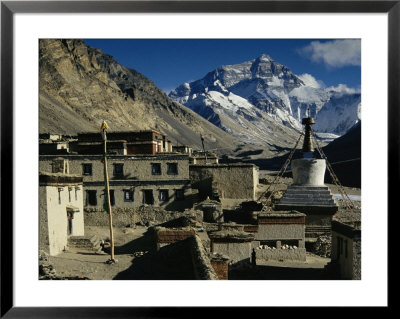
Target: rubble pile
<point>140,253</point>
<point>282,247</point>
<point>265,247</point>
<point>47,271</point>
<point>323,246</point>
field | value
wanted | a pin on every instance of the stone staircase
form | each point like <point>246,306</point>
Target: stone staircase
<point>85,243</point>
<point>307,197</point>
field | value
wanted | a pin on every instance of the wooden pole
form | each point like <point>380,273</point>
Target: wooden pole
<point>108,196</point>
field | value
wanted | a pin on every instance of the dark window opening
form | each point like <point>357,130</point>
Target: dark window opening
<point>268,243</point>
<point>179,194</point>
<point>118,170</point>
<point>87,169</point>
<point>128,195</point>
<point>163,195</point>
<point>156,169</point>
<point>112,198</point>
<point>148,197</point>
<point>91,198</point>
<point>289,243</point>
<point>172,169</point>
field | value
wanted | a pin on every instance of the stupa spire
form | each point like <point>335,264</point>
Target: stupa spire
<point>308,148</point>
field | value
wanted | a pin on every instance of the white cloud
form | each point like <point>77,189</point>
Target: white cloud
<point>335,53</point>
<point>343,89</point>
<point>309,80</point>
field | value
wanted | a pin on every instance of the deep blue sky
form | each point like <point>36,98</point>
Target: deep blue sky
<point>170,62</point>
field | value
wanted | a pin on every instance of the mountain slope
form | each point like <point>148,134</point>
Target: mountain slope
<point>79,86</point>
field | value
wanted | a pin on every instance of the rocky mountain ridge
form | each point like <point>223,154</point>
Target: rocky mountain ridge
<point>80,86</point>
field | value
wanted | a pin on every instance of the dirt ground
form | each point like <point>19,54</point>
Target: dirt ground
<point>130,243</point>
<point>84,263</point>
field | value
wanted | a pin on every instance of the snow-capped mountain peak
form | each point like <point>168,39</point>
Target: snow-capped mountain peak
<point>261,92</point>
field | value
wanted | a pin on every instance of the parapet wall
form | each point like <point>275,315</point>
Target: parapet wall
<point>201,262</point>
<point>166,236</point>
<point>281,254</point>
<point>221,268</point>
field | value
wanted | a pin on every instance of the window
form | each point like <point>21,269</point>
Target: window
<point>60,189</point>
<point>112,198</point>
<point>148,197</point>
<point>87,169</point>
<point>345,248</point>
<point>91,198</point>
<point>179,194</point>
<point>69,193</point>
<point>118,170</point>
<point>172,169</point>
<point>163,195</point>
<point>156,169</point>
<point>128,195</point>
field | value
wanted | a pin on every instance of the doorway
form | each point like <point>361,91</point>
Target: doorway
<point>148,197</point>
<point>70,217</point>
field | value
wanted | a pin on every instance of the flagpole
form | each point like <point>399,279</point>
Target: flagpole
<point>104,134</point>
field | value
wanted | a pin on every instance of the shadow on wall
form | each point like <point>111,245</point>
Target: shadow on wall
<point>172,262</point>
<point>204,186</point>
<point>180,205</point>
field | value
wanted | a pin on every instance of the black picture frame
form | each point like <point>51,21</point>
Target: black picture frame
<point>9,8</point>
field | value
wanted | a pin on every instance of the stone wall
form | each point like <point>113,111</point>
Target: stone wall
<point>280,232</point>
<point>357,259</point>
<point>137,178</point>
<point>347,253</point>
<point>166,236</point>
<point>201,262</point>
<point>135,168</point>
<point>237,251</point>
<point>235,181</point>
<point>44,243</point>
<point>144,215</point>
<point>137,195</point>
<point>281,254</point>
<point>221,268</point>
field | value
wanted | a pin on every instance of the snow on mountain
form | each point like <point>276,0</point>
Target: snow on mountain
<point>339,114</point>
<point>253,99</point>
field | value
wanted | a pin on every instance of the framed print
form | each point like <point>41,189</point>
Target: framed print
<point>106,171</point>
